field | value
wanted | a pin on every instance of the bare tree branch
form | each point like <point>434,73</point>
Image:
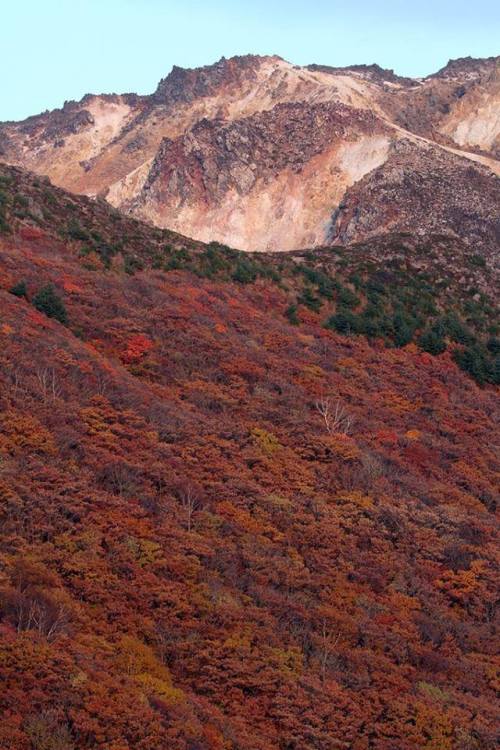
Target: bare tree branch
<point>335,415</point>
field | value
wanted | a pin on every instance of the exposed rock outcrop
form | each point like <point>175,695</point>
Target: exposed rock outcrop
<point>258,153</point>
<point>423,190</point>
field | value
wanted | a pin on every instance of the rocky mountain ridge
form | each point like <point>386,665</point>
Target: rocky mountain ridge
<point>224,152</point>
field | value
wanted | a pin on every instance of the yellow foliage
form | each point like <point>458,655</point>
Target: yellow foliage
<point>266,441</point>
<point>434,727</point>
<point>65,542</point>
<point>310,374</point>
<point>356,498</point>
<point>98,419</point>
<point>291,660</point>
<point>145,551</point>
<point>209,390</point>
<point>95,420</point>
<point>65,358</point>
<point>347,362</point>
<point>243,519</point>
<point>238,641</point>
<point>398,403</point>
<point>139,661</point>
<point>314,370</point>
<point>279,502</point>
<point>162,689</point>
<point>134,657</point>
<point>21,433</point>
<point>10,502</point>
<point>433,692</point>
<point>77,679</point>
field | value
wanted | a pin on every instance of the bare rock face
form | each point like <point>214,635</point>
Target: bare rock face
<point>185,85</point>
<point>458,106</point>
<point>247,177</point>
<point>468,68</point>
<point>423,190</point>
<point>264,155</point>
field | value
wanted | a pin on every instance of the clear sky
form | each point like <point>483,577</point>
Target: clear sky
<point>53,50</point>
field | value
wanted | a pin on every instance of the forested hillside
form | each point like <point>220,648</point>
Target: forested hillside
<point>238,511</point>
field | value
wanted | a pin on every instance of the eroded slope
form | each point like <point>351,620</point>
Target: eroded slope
<point>120,146</point>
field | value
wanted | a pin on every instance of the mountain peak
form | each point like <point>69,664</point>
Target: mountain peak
<point>187,84</point>
<point>470,67</point>
<point>279,147</point>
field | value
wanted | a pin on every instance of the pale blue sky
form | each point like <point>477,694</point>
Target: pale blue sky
<point>52,50</point>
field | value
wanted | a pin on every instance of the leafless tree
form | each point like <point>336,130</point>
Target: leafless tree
<point>17,376</point>
<point>102,383</point>
<point>120,478</point>
<point>46,732</point>
<point>190,500</point>
<point>48,382</point>
<point>37,610</point>
<point>335,415</point>
<point>328,639</point>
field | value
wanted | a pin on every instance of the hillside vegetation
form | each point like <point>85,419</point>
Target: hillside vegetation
<point>241,506</point>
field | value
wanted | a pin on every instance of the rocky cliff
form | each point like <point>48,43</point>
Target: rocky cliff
<point>260,154</point>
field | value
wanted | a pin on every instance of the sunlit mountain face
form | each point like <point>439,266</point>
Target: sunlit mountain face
<point>249,369</point>
<point>260,154</point>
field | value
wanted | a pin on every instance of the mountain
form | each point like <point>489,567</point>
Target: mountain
<point>260,154</point>
<point>247,501</point>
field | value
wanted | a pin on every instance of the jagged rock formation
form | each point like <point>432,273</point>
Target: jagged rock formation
<point>264,155</point>
<point>256,176</point>
<point>424,190</point>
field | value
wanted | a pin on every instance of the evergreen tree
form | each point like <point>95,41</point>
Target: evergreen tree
<point>49,302</point>
<point>291,314</point>
<point>19,290</point>
<point>432,341</point>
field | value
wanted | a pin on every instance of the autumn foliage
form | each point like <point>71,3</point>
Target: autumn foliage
<point>192,558</point>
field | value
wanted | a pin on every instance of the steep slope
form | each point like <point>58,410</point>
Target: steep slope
<point>424,190</point>
<point>458,105</point>
<point>266,182</point>
<point>398,287</point>
<point>473,121</point>
<point>98,155</point>
<point>142,152</point>
<point>220,530</point>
